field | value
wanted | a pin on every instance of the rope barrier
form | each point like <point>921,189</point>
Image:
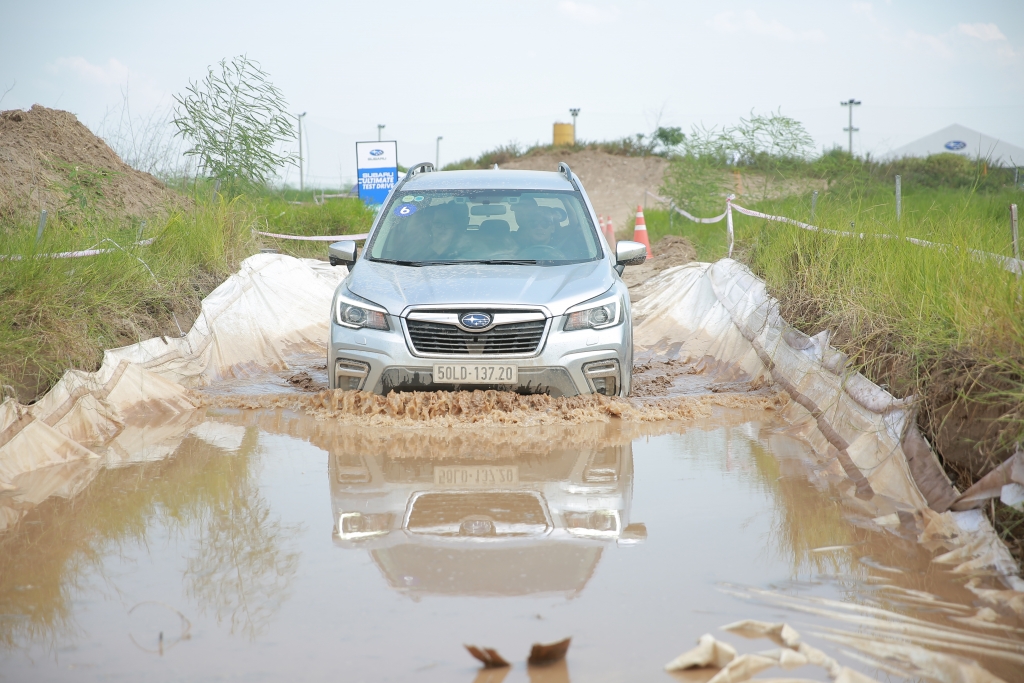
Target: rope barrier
<point>79,254</point>
<point>1013,265</point>
<point>315,238</point>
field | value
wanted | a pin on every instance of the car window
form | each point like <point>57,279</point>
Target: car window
<point>460,226</point>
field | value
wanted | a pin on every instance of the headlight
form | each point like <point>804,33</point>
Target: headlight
<point>596,523</point>
<point>355,314</point>
<point>596,316</point>
<point>354,525</point>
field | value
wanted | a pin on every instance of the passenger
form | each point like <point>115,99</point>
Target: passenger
<point>437,229</point>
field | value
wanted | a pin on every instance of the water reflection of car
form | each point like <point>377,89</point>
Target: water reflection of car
<point>484,280</point>
<point>516,525</point>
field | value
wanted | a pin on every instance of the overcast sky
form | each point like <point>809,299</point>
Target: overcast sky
<point>484,73</point>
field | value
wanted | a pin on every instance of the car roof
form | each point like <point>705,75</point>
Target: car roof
<point>488,180</point>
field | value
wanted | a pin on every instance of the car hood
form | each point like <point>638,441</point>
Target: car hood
<point>555,287</point>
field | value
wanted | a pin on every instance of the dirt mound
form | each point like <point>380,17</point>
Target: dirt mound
<point>615,184</point>
<point>49,160</point>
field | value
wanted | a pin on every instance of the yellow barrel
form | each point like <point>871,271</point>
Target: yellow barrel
<point>564,134</point>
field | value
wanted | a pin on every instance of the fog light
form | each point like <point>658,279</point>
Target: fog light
<point>349,375</point>
<point>603,377</point>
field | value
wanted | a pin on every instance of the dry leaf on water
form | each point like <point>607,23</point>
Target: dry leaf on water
<point>489,656</point>
<point>549,653</point>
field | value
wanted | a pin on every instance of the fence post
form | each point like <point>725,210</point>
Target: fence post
<point>814,203</point>
<point>216,189</point>
<point>1013,229</point>
<point>671,210</point>
<point>728,221</point>
<point>899,199</point>
<point>42,225</point>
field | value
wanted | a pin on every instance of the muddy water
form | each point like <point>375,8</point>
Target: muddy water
<point>265,545</point>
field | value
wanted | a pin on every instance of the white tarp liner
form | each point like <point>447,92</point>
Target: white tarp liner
<point>721,315</point>
<point>274,307</point>
<point>137,405</point>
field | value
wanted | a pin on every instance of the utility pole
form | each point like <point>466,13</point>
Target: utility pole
<point>575,112</point>
<point>851,103</point>
<point>380,127</point>
<point>299,117</point>
<point>437,154</point>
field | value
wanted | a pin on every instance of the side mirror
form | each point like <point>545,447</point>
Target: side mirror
<point>342,253</point>
<point>629,254</point>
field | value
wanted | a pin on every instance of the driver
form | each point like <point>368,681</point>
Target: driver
<point>536,230</point>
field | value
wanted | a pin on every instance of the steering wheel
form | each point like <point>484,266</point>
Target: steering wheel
<point>543,252</point>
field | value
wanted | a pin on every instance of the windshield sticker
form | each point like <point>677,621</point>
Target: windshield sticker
<point>405,210</point>
<point>418,198</point>
<point>408,198</point>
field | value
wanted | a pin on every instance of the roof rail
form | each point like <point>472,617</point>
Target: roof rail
<point>415,170</point>
<point>564,169</point>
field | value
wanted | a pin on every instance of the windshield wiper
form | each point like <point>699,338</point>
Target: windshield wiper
<point>398,262</point>
<point>505,262</point>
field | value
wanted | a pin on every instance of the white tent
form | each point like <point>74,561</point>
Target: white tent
<point>961,140</point>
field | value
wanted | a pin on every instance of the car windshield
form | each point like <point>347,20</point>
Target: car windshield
<point>435,227</point>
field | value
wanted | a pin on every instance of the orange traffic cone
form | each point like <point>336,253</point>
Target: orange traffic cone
<point>600,223</point>
<point>640,231</point>
<point>609,231</point>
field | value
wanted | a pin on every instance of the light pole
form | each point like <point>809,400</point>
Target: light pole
<point>575,112</point>
<point>299,117</point>
<point>851,103</point>
<point>437,154</point>
<point>380,127</point>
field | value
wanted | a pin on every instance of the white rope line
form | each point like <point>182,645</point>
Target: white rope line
<point>315,238</point>
<point>83,252</point>
<point>685,213</point>
<point>1008,263</point>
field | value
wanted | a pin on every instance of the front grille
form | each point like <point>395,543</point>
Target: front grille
<point>497,513</point>
<point>438,338</point>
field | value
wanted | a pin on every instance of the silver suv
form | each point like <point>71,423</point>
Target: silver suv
<point>484,280</point>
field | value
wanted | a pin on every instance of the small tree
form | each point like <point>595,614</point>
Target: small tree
<point>233,120</point>
<point>697,178</point>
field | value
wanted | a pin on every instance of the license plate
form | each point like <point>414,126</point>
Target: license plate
<point>476,475</point>
<point>475,373</point>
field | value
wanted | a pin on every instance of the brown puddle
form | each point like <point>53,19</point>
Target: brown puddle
<point>269,545</point>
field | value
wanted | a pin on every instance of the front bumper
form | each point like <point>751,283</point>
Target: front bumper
<point>388,363</point>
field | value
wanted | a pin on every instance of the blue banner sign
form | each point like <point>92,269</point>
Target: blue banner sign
<point>377,166</point>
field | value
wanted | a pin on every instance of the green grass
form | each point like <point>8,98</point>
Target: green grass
<point>57,314</point>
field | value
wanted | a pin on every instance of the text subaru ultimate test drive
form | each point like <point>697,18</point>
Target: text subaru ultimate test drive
<point>484,280</point>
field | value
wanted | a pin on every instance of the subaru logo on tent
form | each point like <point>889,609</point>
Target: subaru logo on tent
<point>954,145</point>
<point>376,152</point>
<point>475,321</point>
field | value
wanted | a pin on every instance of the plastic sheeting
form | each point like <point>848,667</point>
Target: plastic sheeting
<point>137,406</point>
<point>721,316</point>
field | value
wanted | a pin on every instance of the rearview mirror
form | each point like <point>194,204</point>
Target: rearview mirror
<point>342,253</point>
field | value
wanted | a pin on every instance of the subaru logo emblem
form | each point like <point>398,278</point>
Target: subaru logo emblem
<point>475,321</point>
<point>376,152</point>
<point>954,145</point>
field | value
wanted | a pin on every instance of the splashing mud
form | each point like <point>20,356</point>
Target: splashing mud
<point>452,409</point>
